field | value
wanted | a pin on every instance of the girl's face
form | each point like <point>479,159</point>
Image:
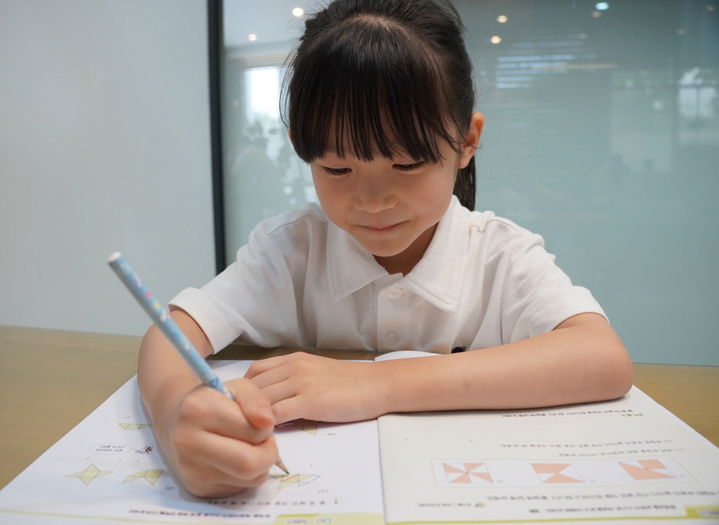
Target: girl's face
<point>391,206</point>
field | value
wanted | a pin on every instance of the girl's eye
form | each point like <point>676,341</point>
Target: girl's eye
<point>409,167</point>
<point>336,171</point>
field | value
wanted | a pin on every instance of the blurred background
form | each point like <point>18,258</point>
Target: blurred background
<point>601,134</point>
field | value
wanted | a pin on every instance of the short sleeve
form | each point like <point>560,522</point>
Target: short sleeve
<point>253,299</point>
<point>536,293</point>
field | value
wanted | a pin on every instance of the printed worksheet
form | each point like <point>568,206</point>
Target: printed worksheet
<point>108,469</point>
<point>626,460</point>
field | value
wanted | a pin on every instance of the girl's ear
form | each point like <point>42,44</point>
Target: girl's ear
<point>471,139</point>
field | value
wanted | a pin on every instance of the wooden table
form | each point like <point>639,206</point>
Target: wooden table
<point>50,380</point>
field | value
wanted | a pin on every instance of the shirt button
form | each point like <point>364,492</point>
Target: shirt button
<point>391,337</point>
<point>395,293</point>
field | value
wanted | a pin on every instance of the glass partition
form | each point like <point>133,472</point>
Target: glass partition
<point>602,134</point>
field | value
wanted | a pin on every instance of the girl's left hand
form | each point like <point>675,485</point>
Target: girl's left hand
<point>304,386</point>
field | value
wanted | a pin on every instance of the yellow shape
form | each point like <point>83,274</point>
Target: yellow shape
<point>310,429</point>
<point>151,476</point>
<point>306,426</point>
<point>296,479</point>
<point>89,475</point>
<point>133,426</point>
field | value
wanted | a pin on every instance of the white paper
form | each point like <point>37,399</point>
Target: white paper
<point>626,460</point>
<point>108,469</point>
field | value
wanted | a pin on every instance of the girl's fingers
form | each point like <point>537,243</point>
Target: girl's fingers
<point>277,392</point>
<point>271,377</point>
<point>263,365</point>
<point>210,482</point>
<point>216,464</point>
<point>253,403</point>
<point>241,461</point>
<point>288,409</point>
<point>248,418</point>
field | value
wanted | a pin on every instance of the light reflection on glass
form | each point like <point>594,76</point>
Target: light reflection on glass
<point>602,133</point>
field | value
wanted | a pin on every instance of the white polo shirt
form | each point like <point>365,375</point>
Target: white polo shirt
<point>303,282</point>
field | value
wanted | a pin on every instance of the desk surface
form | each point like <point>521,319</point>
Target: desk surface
<point>50,380</point>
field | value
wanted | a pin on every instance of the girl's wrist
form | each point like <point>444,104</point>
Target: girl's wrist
<point>390,386</point>
<point>409,385</point>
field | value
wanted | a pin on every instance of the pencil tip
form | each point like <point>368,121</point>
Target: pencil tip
<point>280,464</point>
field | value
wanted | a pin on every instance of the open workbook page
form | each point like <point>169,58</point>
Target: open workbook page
<point>108,469</point>
<point>624,461</point>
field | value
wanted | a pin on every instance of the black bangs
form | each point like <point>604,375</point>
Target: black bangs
<point>368,87</point>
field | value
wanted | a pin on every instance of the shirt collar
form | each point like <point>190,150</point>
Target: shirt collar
<point>351,266</point>
<point>437,277</point>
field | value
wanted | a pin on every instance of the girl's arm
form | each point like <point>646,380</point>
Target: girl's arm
<point>581,360</point>
<point>216,446</point>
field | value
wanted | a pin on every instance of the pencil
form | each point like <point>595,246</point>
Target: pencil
<point>161,317</point>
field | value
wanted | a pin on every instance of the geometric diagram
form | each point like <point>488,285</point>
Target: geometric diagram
<point>646,469</point>
<point>89,475</point>
<point>306,426</point>
<point>309,428</point>
<point>151,476</point>
<point>134,426</point>
<point>466,473</point>
<point>522,473</point>
<point>289,480</point>
<point>557,473</point>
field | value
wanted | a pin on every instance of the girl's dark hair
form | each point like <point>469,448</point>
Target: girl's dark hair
<point>381,76</point>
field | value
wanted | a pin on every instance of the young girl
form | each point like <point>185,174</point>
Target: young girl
<point>380,104</point>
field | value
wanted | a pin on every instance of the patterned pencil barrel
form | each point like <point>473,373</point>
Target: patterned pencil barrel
<point>161,317</point>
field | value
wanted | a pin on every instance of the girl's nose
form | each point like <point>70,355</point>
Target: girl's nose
<point>373,195</point>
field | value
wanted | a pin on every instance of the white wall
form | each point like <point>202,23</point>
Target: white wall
<point>104,145</point>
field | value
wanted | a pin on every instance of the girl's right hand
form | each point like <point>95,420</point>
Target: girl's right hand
<point>216,446</point>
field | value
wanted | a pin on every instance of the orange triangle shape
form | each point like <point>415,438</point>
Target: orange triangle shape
<point>486,476</point>
<point>449,469</point>
<point>562,478</point>
<point>643,473</point>
<point>549,468</point>
<point>464,478</point>
<point>651,463</point>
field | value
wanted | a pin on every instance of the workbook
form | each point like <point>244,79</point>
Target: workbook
<point>623,461</point>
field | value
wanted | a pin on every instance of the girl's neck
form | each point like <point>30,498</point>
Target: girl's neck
<point>405,261</point>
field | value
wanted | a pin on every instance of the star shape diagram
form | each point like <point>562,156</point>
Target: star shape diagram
<point>288,480</point>
<point>309,427</point>
<point>90,474</point>
<point>134,426</point>
<point>150,475</point>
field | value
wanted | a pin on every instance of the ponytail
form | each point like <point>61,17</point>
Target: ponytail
<point>465,187</point>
